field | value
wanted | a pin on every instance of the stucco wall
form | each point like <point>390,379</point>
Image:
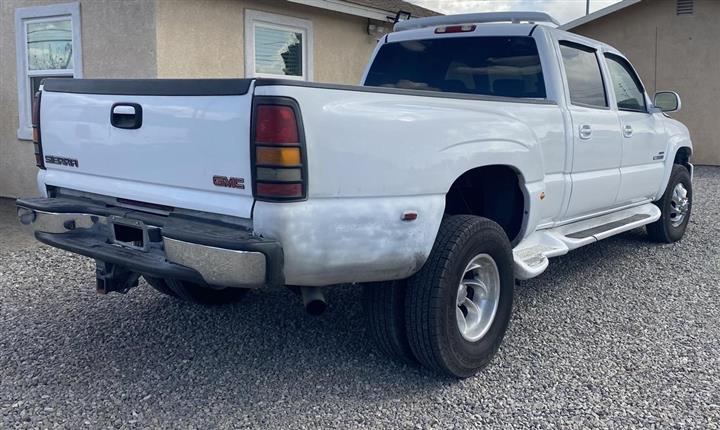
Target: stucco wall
<point>671,52</point>
<point>118,40</point>
<point>205,39</point>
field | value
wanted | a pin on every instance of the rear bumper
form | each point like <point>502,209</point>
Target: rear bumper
<point>193,249</point>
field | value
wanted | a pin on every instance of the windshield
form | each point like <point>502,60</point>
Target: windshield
<point>496,66</point>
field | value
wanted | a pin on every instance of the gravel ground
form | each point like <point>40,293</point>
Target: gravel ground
<point>623,333</point>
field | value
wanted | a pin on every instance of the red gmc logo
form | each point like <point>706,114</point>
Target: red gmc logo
<point>224,181</point>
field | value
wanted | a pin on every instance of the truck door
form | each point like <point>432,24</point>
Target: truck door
<point>643,143</point>
<point>597,141</point>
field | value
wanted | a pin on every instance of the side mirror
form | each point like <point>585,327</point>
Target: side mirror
<point>667,101</point>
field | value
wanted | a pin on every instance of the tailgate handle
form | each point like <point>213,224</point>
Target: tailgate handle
<point>126,115</point>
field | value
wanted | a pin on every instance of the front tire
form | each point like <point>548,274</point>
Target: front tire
<point>675,207</point>
<point>196,293</point>
<point>458,305</point>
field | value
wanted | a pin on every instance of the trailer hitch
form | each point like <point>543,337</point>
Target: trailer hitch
<point>111,277</point>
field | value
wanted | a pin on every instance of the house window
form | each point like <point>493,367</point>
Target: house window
<point>278,46</point>
<point>47,45</point>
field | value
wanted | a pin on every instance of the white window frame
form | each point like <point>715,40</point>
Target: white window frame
<point>24,16</point>
<point>254,18</point>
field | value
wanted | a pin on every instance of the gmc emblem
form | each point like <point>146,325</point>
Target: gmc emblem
<point>224,181</point>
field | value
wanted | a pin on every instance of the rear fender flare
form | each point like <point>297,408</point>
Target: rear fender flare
<point>526,160</point>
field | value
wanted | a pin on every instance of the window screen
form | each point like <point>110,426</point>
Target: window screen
<point>498,66</point>
<point>628,90</point>
<point>278,51</point>
<point>49,52</point>
<point>583,75</point>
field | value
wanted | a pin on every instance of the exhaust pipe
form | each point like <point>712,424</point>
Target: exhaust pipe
<point>313,300</point>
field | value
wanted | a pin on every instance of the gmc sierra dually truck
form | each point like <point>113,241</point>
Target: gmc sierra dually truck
<point>478,146</point>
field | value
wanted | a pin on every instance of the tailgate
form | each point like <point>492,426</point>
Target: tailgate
<point>180,143</point>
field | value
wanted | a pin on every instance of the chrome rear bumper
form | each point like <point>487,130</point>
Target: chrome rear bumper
<point>219,266</point>
<point>194,250</point>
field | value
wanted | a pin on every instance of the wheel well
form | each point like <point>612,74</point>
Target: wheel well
<point>682,157</point>
<point>492,192</point>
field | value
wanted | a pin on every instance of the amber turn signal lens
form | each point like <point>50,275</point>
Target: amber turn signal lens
<point>36,134</point>
<point>277,156</point>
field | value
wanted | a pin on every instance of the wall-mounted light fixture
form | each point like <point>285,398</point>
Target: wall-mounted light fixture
<point>402,16</point>
<point>376,28</point>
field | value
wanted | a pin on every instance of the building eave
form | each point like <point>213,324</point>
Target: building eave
<point>347,8</point>
<point>598,14</point>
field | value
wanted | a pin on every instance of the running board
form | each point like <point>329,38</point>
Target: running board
<point>531,255</point>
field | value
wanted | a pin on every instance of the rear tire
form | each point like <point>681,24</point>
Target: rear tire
<point>197,293</point>
<point>384,306</point>
<point>675,207</point>
<point>451,329</point>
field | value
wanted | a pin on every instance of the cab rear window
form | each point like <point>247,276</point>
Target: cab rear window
<point>494,66</point>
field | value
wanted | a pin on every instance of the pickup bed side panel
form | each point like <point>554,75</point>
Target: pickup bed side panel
<point>374,155</point>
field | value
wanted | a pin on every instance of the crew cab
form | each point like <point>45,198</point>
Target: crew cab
<point>477,147</point>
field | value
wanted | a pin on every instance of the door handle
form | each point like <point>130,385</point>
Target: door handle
<point>627,131</point>
<point>585,132</point>
<point>126,115</point>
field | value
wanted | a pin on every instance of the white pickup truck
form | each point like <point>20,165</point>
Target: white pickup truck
<point>474,151</point>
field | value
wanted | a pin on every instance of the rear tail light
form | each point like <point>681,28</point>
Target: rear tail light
<point>278,150</point>
<point>36,135</point>
<point>276,124</point>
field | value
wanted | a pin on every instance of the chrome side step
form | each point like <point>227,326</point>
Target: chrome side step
<point>531,255</point>
<point>606,227</point>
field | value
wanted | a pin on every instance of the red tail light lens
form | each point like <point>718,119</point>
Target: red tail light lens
<point>36,135</point>
<point>278,150</point>
<point>276,124</point>
<point>265,189</point>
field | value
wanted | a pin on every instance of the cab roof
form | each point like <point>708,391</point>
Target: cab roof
<point>488,24</point>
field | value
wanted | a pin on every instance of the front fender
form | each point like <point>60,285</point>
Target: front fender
<point>678,138</point>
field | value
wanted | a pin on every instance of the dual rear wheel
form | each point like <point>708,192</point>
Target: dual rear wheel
<point>452,315</point>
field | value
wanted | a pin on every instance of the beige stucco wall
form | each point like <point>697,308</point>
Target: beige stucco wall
<point>118,40</point>
<point>679,53</point>
<point>197,38</point>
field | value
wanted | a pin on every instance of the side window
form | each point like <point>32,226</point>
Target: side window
<point>628,89</point>
<point>583,74</point>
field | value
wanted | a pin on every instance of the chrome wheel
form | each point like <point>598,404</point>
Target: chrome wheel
<point>679,205</point>
<point>478,297</point>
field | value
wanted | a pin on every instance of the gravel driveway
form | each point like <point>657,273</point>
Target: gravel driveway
<point>623,333</point>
